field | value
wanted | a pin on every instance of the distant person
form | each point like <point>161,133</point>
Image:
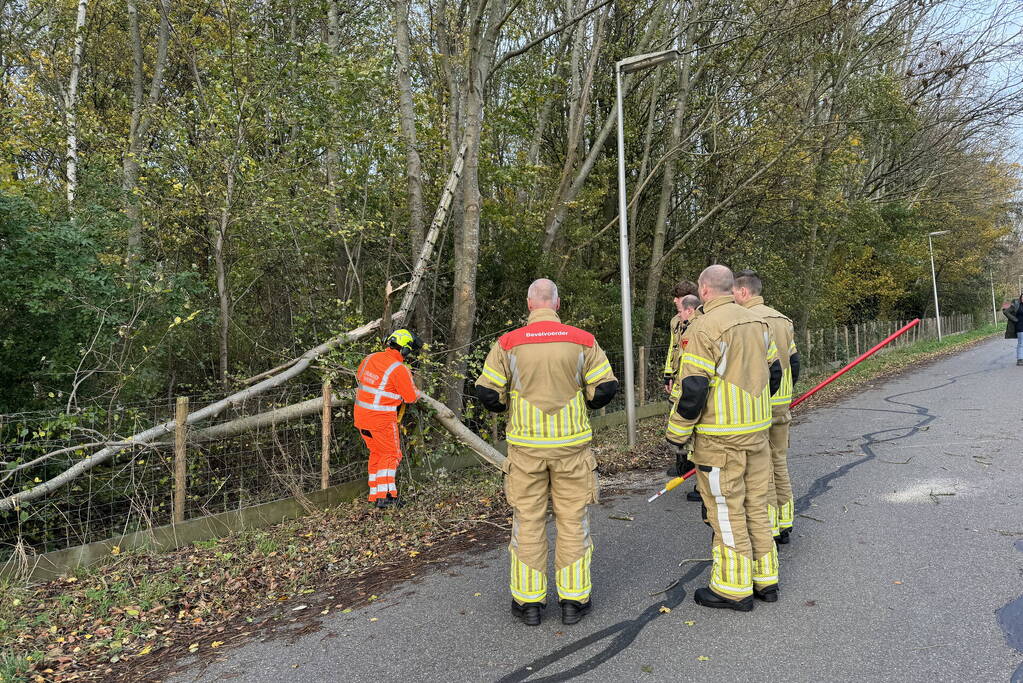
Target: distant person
<point>1014,328</point>
<point>546,375</point>
<point>385,382</point>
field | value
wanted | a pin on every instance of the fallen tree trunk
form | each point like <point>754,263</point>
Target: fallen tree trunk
<point>212,410</point>
<point>288,370</point>
<point>442,414</point>
<point>295,411</point>
<point>450,421</point>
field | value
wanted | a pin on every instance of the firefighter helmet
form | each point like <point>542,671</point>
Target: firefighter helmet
<point>405,341</point>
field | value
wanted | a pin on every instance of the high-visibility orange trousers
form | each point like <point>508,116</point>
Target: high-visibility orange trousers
<point>384,456</point>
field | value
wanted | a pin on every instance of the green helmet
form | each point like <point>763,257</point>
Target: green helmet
<point>405,341</point>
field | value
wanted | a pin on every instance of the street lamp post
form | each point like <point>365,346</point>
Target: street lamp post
<point>934,278</point>
<point>629,65</point>
<point>994,310</point>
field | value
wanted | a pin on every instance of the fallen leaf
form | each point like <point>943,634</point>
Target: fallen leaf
<point>664,610</point>
<point>897,583</point>
<point>372,598</point>
<point>145,651</point>
<point>346,610</point>
<point>647,669</point>
<point>216,643</point>
<point>373,619</point>
<point>476,595</point>
<point>193,647</point>
<point>116,550</point>
<point>703,658</point>
<point>690,623</point>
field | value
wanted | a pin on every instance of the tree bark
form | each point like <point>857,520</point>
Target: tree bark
<point>71,107</point>
<point>579,107</point>
<point>413,163</point>
<point>483,42</point>
<point>141,114</point>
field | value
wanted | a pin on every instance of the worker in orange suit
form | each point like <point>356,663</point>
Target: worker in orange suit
<point>385,383</point>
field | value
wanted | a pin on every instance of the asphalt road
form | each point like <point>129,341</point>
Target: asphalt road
<point>902,568</point>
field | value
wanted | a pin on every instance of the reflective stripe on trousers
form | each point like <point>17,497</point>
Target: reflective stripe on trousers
<point>765,570</point>
<point>732,573</point>
<point>786,513</point>
<point>527,584</point>
<point>574,580</point>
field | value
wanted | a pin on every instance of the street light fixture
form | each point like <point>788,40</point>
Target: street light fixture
<point>630,65</point>
<point>934,278</point>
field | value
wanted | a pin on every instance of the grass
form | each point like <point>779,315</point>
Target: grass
<point>894,361</point>
<point>142,609</point>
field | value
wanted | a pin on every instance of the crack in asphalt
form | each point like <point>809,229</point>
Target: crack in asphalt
<point>625,632</point>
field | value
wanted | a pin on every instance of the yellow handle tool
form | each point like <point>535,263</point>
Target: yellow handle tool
<point>670,485</point>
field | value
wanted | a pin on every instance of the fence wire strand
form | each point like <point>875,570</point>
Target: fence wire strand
<point>134,491</point>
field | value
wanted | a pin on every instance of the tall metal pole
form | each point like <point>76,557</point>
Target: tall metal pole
<point>934,283</point>
<point>623,246</point>
<point>994,310</point>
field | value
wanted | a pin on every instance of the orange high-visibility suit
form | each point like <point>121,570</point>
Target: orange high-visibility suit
<point>384,383</point>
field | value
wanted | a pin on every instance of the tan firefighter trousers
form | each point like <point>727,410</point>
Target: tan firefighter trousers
<point>570,482</point>
<point>733,476</point>
<point>780,498</point>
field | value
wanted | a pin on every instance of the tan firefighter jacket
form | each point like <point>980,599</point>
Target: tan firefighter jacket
<point>674,357</point>
<point>785,337</point>
<point>547,374</point>
<point>726,374</point>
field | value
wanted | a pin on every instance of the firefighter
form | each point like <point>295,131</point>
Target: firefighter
<point>780,504</point>
<point>729,372</point>
<point>546,375</point>
<point>385,383</point>
<point>684,297</point>
<point>686,306</point>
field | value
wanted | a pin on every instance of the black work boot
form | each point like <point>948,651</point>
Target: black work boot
<point>694,496</point>
<point>530,613</point>
<point>769,594</point>
<point>390,502</point>
<point>708,598</point>
<point>572,612</point>
<point>783,537</point>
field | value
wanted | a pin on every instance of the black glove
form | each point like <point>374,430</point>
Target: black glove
<point>682,463</point>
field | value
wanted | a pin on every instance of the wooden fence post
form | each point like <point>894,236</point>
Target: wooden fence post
<point>325,437</point>
<point>856,332</point>
<point>642,375</point>
<point>180,461</point>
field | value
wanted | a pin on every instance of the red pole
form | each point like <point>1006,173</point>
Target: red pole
<point>862,357</point>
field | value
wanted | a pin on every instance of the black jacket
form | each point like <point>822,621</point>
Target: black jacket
<point>1014,314</point>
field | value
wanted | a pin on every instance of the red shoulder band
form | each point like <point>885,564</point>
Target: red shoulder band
<point>545,332</point>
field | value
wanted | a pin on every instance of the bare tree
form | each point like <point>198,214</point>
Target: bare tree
<point>142,112</point>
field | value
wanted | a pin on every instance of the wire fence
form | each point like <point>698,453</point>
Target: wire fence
<point>228,469</point>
